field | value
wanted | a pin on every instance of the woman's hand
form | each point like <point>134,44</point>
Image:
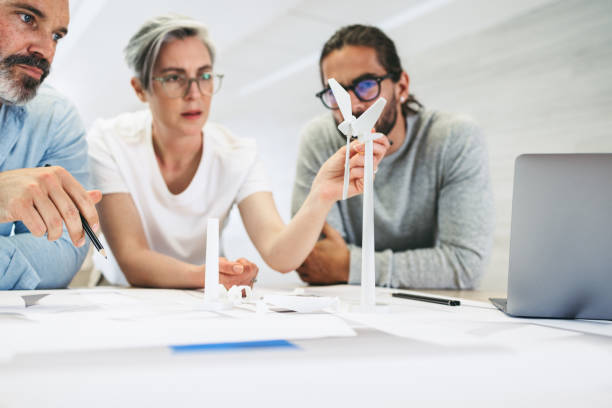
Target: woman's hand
<point>330,179</point>
<point>239,273</point>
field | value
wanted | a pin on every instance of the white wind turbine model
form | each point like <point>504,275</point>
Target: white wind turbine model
<point>362,128</point>
<point>215,295</point>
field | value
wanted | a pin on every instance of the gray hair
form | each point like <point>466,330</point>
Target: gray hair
<point>143,48</point>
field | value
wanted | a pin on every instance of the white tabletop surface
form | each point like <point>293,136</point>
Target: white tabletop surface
<point>407,354</point>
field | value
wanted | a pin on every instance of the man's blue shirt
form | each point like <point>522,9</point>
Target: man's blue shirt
<point>47,130</point>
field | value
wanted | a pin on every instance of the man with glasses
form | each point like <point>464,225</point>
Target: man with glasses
<point>433,206</point>
<point>38,127</point>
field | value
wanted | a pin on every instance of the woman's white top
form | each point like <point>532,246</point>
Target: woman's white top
<point>122,160</point>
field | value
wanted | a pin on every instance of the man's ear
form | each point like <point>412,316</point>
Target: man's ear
<point>403,87</point>
<point>140,92</point>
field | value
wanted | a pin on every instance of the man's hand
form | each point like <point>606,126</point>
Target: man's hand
<point>44,199</point>
<point>239,273</point>
<point>329,261</point>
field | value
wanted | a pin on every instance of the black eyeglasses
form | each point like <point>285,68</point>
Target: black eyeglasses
<point>365,89</point>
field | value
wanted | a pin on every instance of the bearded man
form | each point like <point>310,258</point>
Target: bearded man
<point>43,154</point>
<point>433,205</point>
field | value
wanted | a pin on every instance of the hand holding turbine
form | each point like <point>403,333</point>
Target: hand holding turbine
<point>351,126</point>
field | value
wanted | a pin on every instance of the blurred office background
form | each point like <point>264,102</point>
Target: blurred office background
<point>536,74</point>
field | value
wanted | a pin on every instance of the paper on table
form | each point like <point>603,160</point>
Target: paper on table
<point>93,334</point>
<point>118,304</point>
<point>302,304</point>
<point>103,299</point>
<point>450,330</point>
<point>348,293</point>
<point>140,313</point>
<point>31,300</point>
<point>66,302</point>
<point>26,306</point>
<point>479,324</point>
<point>11,300</point>
<point>598,327</point>
<point>147,296</point>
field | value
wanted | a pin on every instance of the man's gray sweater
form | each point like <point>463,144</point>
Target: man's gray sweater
<point>433,205</point>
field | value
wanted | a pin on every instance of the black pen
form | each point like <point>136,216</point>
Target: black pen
<point>90,233</point>
<point>440,301</point>
<point>92,237</point>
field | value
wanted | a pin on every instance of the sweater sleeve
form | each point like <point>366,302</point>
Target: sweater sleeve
<point>465,218</point>
<point>312,154</point>
<point>308,164</point>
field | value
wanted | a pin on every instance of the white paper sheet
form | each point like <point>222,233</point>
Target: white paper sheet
<point>447,330</point>
<point>472,323</point>
<point>598,327</point>
<point>92,334</point>
<point>124,318</point>
<point>470,310</point>
<point>11,300</point>
<point>302,304</point>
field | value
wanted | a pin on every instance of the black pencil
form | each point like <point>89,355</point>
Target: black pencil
<point>440,301</point>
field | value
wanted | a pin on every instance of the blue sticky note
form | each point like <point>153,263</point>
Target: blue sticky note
<point>235,346</point>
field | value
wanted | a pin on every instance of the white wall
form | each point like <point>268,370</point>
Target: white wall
<point>534,73</point>
<point>540,82</point>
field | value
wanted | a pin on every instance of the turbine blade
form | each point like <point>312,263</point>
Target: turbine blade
<point>342,98</point>
<point>366,121</point>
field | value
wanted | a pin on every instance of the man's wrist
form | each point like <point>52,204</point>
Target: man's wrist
<point>345,268</point>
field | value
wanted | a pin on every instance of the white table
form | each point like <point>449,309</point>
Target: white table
<point>372,369</point>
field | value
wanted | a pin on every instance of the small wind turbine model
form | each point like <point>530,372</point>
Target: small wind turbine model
<point>215,296</point>
<point>362,128</point>
<point>211,278</point>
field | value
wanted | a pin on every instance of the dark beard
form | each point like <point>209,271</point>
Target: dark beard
<point>23,88</point>
<point>387,120</point>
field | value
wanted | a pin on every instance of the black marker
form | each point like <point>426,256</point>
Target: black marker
<point>440,301</point>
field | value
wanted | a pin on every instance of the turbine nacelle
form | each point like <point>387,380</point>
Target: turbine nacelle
<point>347,127</point>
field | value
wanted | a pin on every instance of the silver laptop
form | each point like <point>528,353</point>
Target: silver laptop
<point>561,237</point>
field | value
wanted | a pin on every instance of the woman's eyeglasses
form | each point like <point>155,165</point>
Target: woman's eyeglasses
<point>366,89</point>
<point>177,85</point>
